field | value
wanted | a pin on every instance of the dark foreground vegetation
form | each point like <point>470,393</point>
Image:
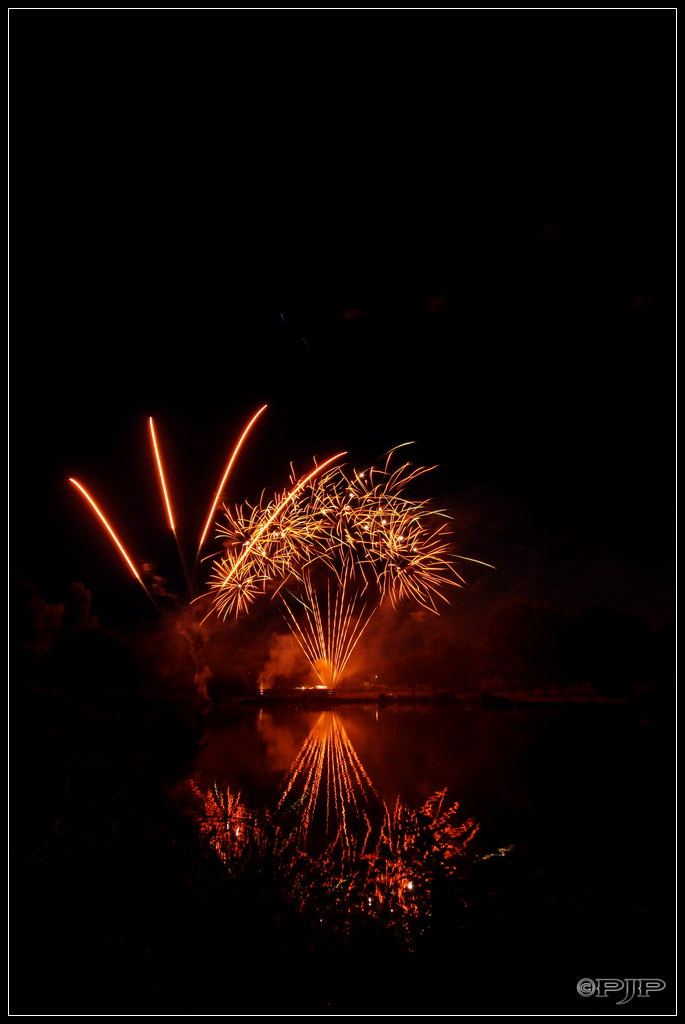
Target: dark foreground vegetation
<point>118,905</point>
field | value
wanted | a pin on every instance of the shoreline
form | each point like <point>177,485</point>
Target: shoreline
<point>496,701</point>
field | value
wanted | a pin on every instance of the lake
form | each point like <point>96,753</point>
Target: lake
<point>518,851</point>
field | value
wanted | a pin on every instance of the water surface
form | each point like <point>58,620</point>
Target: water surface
<point>551,840</point>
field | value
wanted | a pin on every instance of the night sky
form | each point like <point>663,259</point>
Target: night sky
<point>454,228</point>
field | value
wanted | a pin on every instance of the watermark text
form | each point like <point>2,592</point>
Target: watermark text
<point>602,988</point>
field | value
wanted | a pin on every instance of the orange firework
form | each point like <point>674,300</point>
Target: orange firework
<point>113,536</point>
<point>161,476</point>
<point>225,476</point>
<point>167,502</point>
<point>361,530</point>
<point>290,496</point>
<point>330,629</point>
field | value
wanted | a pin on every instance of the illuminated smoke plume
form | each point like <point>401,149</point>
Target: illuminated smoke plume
<point>285,660</point>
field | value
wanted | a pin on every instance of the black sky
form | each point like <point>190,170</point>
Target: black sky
<point>447,227</point>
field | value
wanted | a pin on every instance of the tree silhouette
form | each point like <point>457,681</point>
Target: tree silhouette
<point>612,650</point>
<point>526,646</point>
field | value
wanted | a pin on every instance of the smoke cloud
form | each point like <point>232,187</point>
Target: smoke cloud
<point>285,663</point>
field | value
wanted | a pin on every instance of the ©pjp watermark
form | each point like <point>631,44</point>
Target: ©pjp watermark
<point>630,987</point>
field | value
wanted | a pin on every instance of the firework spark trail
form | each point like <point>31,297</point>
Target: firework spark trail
<point>279,551</point>
<point>114,538</point>
<point>328,645</point>
<point>165,492</point>
<point>385,532</point>
<point>392,534</point>
<point>225,477</point>
<point>225,572</point>
<point>412,565</point>
<point>161,476</point>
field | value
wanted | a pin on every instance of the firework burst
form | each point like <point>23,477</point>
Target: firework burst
<point>333,547</point>
<point>267,540</point>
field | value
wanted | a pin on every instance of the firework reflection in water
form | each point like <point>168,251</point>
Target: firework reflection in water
<point>333,846</point>
<point>327,792</point>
